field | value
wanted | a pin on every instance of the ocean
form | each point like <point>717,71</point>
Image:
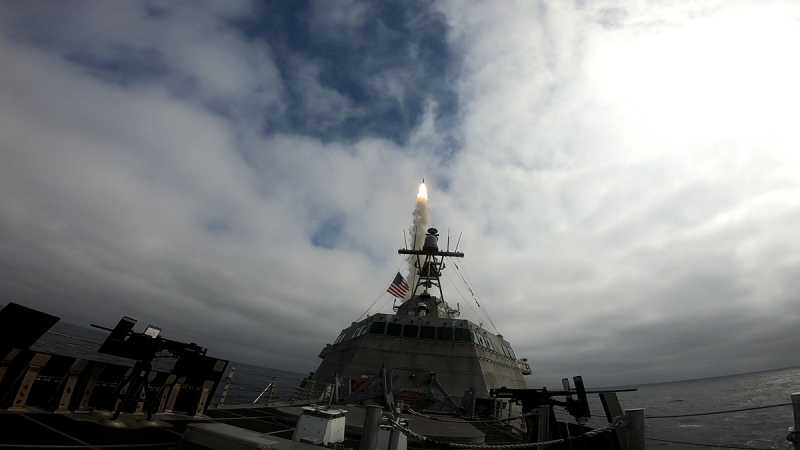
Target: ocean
<point>755,429</point>
<point>760,428</point>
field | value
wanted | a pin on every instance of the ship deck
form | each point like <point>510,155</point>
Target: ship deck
<point>37,428</point>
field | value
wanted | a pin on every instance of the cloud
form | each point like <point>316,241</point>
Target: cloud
<point>623,171</point>
<point>340,21</point>
<point>138,199</point>
<point>623,174</point>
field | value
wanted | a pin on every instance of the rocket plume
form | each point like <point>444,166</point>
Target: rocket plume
<point>422,216</point>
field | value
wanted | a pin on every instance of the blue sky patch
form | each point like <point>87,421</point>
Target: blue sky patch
<point>329,233</point>
<point>387,65</point>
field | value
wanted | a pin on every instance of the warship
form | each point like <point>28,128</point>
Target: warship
<point>434,356</point>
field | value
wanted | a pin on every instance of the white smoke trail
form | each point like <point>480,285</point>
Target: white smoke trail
<point>422,217</point>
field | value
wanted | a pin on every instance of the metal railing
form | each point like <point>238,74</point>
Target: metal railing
<point>278,389</point>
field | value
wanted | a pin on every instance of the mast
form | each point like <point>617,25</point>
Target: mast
<point>429,272</point>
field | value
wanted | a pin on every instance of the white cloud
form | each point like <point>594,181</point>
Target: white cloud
<point>618,167</point>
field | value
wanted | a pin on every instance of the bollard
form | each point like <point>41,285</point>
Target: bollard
<point>544,422</point>
<point>635,428</point>
<point>372,423</point>
<point>794,435</point>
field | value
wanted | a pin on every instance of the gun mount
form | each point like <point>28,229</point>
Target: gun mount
<point>532,398</point>
<point>126,343</point>
<point>142,347</point>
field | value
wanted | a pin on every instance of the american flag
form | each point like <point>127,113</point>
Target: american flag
<point>399,287</point>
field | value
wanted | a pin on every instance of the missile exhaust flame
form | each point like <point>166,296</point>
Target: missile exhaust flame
<point>421,216</point>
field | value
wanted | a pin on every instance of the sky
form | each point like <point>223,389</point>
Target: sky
<point>624,175</point>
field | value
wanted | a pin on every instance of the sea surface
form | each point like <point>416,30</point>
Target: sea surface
<point>755,429</point>
<point>760,428</point>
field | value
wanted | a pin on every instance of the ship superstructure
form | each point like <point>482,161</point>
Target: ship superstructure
<point>424,342</point>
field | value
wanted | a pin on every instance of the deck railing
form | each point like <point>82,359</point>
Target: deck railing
<point>278,389</point>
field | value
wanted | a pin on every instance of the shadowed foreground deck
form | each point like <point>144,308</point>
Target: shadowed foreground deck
<point>41,429</point>
<point>36,429</point>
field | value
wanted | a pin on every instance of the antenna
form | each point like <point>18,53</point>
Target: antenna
<point>413,270</point>
<point>448,239</point>
<point>459,240</point>
<point>405,241</point>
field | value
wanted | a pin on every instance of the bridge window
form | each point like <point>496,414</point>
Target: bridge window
<point>361,330</point>
<point>377,328</point>
<point>427,332</point>
<point>394,329</point>
<point>340,338</point>
<point>410,331</point>
<point>444,334</point>
<point>462,335</point>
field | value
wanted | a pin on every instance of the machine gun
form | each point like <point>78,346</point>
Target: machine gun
<point>532,398</point>
<point>142,347</point>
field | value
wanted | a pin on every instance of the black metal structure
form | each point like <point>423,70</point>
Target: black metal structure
<point>143,347</point>
<point>530,399</point>
<point>429,270</point>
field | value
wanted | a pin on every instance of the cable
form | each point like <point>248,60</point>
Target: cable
<point>463,280</point>
<point>402,262</point>
<point>486,311</point>
<point>410,433</point>
<point>474,295</point>
<point>462,296</point>
<point>718,412</point>
<point>453,420</point>
<point>708,445</point>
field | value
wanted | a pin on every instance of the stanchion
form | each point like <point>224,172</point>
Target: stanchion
<point>794,432</point>
<point>372,422</point>
<point>635,428</point>
<point>227,385</point>
<point>34,367</point>
<point>544,423</point>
